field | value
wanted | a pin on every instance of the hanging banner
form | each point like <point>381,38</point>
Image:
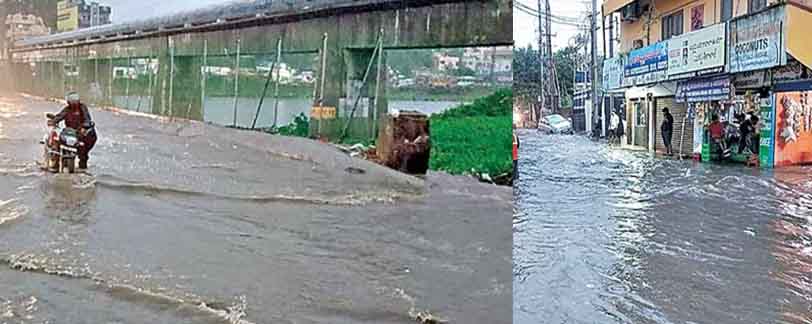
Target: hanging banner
<point>793,128</point>
<point>756,42</point>
<point>612,73</point>
<point>647,65</point>
<point>698,52</point>
<point>711,89</point>
<point>766,144</point>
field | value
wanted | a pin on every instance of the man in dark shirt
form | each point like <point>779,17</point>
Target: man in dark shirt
<point>667,129</point>
<point>77,116</point>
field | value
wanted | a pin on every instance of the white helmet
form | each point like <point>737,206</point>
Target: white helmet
<point>72,97</point>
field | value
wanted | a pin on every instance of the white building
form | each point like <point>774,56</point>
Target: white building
<point>485,60</point>
<point>442,62</point>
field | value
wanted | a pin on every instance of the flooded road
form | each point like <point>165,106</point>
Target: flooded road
<point>183,222</point>
<point>604,235</point>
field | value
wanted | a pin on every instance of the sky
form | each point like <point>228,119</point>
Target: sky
<point>128,10</point>
<point>525,27</point>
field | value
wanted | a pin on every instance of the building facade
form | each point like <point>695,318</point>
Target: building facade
<point>80,14</point>
<point>710,59</point>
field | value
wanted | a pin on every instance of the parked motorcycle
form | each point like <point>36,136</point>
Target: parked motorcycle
<point>61,147</point>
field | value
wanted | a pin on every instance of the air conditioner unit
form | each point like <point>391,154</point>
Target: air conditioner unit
<point>630,12</point>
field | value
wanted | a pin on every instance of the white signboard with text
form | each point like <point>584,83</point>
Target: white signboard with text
<point>697,52</point>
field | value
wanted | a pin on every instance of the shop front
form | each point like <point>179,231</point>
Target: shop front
<point>710,105</point>
<point>641,115</point>
<point>692,57</point>
<point>645,71</point>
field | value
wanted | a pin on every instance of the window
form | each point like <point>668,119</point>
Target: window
<point>727,10</point>
<point>672,25</point>
<point>756,5</point>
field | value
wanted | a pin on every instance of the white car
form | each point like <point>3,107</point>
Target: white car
<point>555,124</point>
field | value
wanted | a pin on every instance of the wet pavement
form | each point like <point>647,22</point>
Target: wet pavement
<point>603,235</point>
<point>183,222</point>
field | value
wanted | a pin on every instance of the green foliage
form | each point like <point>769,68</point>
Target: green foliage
<point>475,138</point>
<point>436,94</point>
<point>526,71</point>
<point>300,127</point>
<point>500,103</point>
<point>480,144</point>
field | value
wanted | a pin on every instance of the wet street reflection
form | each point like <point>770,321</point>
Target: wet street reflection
<point>184,222</point>
<point>603,235</point>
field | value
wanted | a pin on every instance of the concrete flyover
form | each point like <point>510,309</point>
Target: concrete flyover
<point>342,33</point>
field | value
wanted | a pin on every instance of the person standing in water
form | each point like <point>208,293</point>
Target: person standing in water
<point>667,129</point>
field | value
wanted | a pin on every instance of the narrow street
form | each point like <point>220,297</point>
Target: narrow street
<point>186,222</point>
<point>604,235</point>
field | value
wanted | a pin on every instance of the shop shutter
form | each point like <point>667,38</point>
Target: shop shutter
<point>678,111</point>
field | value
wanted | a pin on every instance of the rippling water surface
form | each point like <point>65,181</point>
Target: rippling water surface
<point>603,235</point>
<point>183,222</point>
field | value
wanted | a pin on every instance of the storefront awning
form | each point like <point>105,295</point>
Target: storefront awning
<point>610,6</point>
<point>799,23</point>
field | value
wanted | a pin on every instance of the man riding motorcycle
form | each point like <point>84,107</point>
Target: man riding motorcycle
<point>77,116</point>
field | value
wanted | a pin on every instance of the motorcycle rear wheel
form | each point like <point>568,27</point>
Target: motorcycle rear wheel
<point>70,164</point>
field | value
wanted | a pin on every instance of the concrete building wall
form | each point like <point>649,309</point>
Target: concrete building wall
<point>648,27</point>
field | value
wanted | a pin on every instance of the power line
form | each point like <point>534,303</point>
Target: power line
<point>557,22</point>
<point>554,19</point>
<point>534,11</point>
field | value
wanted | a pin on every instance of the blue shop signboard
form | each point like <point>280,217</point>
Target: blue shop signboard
<point>710,89</point>
<point>647,65</point>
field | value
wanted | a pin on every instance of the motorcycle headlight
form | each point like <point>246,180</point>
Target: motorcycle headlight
<point>70,141</point>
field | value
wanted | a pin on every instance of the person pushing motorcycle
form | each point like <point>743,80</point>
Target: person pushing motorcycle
<point>77,116</point>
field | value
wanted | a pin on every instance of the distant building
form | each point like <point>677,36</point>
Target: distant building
<point>80,14</point>
<point>484,60</point>
<point>20,26</point>
<point>42,10</point>
<point>442,62</point>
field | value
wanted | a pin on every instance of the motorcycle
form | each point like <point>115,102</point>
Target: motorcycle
<point>61,147</point>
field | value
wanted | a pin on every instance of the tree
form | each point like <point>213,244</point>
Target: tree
<point>566,59</point>
<point>526,72</point>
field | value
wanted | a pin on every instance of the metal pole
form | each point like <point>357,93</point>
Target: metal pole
<point>542,61</point>
<point>377,90</point>
<point>682,135</point>
<point>127,86</point>
<point>171,76</point>
<point>110,84</point>
<point>262,99</point>
<point>276,85</point>
<point>204,75</point>
<point>322,79</point>
<point>237,82</point>
<point>594,69</point>
<point>151,81</point>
